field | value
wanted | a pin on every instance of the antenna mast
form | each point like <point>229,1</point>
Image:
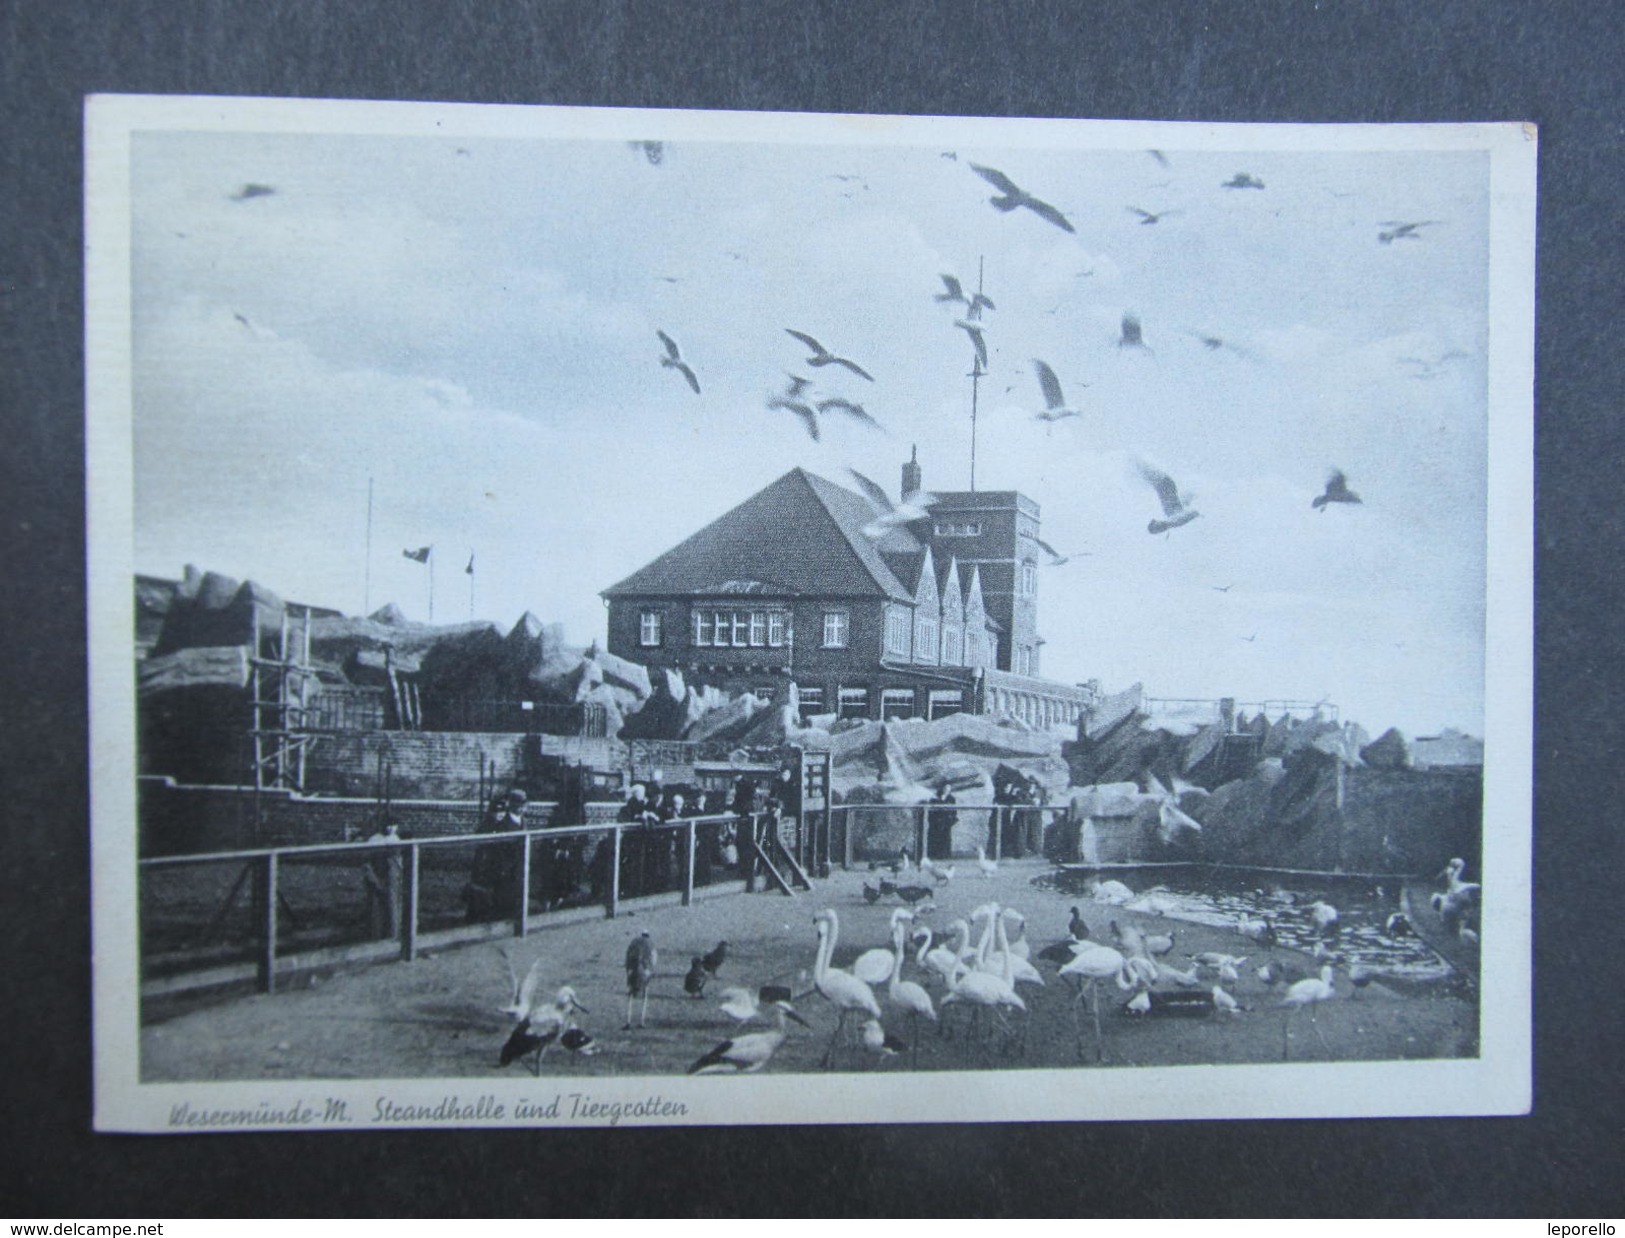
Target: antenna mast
<point>975,376</point>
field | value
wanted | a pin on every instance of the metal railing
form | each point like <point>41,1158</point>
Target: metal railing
<point>228,917</point>
<point>944,832</point>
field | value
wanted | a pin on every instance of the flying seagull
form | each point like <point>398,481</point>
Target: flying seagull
<point>1337,491</point>
<point>1432,369</point>
<point>1215,342</point>
<point>1396,230</point>
<point>1056,408</point>
<point>956,293</point>
<point>1223,588</point>
<point>252,190</point>
<point>1175,507</point>
<point>1012,195</point>
<point>791,402</point>
<point>915,506</point>
<point>1132,337</point>
<point>972,326</point>
<point>673,360</point>
<point>654,152</point>
<point>1147,217</point>
<point>823,356</point>
<point>1055,558</point>
<point>852,409</point>
<point>1243,180</point>
<point>1159,157</point>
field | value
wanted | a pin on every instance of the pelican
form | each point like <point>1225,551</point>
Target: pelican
<point>1337,491</point>
<point>641,957</point>
<point>823,356</point>
<point>841,989</point>
<point>907,996</point>
<point>1176,509</point>
<point>673,360</point>
<point>745,1055</point>
<point>1055,405</point>
<point>1012,196</point>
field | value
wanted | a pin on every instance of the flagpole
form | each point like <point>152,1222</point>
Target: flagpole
<point>431,584</point>
<point>366,588</point>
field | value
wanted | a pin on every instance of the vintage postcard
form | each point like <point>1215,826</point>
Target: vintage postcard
<point>616,617</point>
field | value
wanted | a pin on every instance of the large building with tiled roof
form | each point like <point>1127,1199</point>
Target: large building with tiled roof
<point>788,587</point>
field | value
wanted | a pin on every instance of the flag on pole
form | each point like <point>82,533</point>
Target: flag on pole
<point>470,568</point>
<point>420,555</point>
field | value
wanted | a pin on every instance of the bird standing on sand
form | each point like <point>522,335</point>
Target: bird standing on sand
<point>841,989</point>
<point>694,982</point>
<point>641,957</point>
<point>673,360</point>
<point>989,867</point>
<point>906,995</point>
<point>540,1026</point>
<point>745,1055</point>
<point>823,356</point>
<point>1176,509</point>
<point>1337,491</point>
<point>1306,993</point>
<point>713,959</point>
<point>1055,405</point>
<point>1012,196</point>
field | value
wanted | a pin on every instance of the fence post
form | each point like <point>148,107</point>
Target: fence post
<point>409,914</point>
<point>846,836</point>
<point>997,826</point>
<point>521,913</point>
<point>688,878</point>
<point>615,872</point>
<point>920,839</point>
<point>268,908</point>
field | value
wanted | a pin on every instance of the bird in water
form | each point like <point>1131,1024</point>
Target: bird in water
<point>1012,196</point>
<point>1397,230</point>
<point>954,292</point>
<point>747,1054</point>
<point>823,356</point>
<point>1337,491</point>
<point>641,957</point>
<point>694,982</point>
<point>1055,405</point>
<point>1133,335</point>
<point>888,515</point>
<point>1150,217</point>
<point>1176,509</point>
<point>673,360</point>
<point>1243,180</point>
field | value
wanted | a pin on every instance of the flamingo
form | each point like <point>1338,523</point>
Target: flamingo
<point>1092,963</point>
<point>1306,993</point>
<point>947,961</point>
<point>874,966</point>
<point>906,995</point>
<point>745,1055</point>
<point>1005,960</point>
<point>840,988</point>
<point>982,990</point>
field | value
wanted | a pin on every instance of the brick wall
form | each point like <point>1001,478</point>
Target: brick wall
<point>432,765</point>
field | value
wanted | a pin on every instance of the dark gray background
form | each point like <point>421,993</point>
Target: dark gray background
<point>1553,63</point>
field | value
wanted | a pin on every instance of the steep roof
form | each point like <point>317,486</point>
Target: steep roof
<point>800,535</point>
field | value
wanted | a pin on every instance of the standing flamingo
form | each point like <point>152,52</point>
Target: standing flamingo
<point>982,990</point>
<point>1306,993</point>
<point>840,988</point>
<point>906,995</point>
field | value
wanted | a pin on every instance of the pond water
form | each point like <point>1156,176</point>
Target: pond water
<point>1221,898</point>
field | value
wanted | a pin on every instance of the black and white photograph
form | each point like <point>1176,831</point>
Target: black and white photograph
<point>957,620</point>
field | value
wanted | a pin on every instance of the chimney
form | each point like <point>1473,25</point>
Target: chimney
<point>911,473</point>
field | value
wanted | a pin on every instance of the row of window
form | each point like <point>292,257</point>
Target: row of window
<point>773,629</point>
<point>894,702</point>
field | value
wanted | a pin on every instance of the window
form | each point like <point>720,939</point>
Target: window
<point>951,646</point>
<point>702,627</point>
<point>836,625</point>
<point>959,528</point>
<point>1024,661</point>
<point>897,632</point>
<point>758,628</point>
<point>897,703</point>
<point>854,702</point>
<point>945,701</point>
<point>925,639</point>
<point>1029,579</point>
<point>775,629</point>
<point>763,692</point>
<point>741,632</point>
<point>812,702</point>
<point>649,628</point>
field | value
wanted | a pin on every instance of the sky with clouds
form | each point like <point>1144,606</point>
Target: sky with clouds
<point>468,320</point>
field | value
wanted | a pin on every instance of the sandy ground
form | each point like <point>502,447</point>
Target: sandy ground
<point>438,1017</point>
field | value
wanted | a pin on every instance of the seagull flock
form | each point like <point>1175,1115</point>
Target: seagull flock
<point>971,308</point>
